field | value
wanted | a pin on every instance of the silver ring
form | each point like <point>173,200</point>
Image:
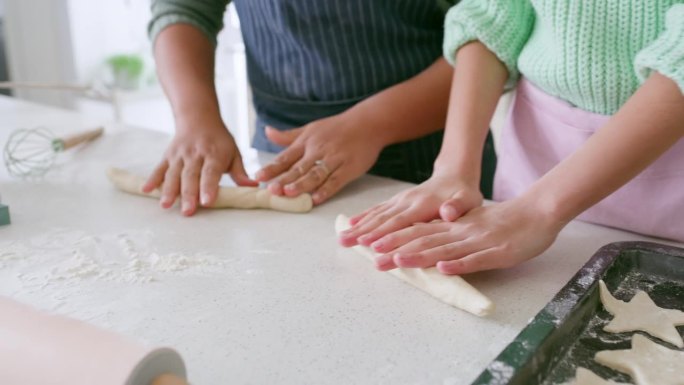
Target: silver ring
<point>320,163</point>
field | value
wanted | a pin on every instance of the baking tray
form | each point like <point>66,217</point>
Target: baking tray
<point>569,330</point>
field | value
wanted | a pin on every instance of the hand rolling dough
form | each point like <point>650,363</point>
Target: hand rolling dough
<point>228,197</point>
<point>450,289</point>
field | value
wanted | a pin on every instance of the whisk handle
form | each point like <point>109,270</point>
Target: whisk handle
<point>62,144</point>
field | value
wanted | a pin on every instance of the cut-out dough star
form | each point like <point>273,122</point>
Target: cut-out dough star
<point>587,377</point>
<point>647,362</point>
<point>641,313</point>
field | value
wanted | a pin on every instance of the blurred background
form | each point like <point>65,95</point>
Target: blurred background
<point>104,44</point>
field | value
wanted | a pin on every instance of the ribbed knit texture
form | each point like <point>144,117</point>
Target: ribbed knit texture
<point>591,53</point>
<point>206,15</point>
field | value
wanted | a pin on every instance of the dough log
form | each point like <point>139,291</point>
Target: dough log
<point>452,290</point>
<point>228,197</point>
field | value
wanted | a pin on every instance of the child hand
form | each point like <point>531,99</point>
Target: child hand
<point>490,237</point>
<point>193,165</point>
<point>422,203</point>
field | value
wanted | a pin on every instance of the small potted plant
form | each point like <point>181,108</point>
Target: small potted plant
<point>126,70</point>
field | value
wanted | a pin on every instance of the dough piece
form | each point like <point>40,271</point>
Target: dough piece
<point>647,362</point>
<point>228,197</point>
<point>641,313</point>
<point>452,290</point>
<point>587,377</point>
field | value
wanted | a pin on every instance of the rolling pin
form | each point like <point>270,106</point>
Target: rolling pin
<point>37,348</point>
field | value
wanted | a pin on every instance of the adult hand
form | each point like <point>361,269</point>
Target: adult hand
<point>443,193</point>
<point>321,157</point>
<point>490,237</point>
<point>193,165</point>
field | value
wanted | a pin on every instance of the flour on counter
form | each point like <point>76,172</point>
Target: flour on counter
<point>67,257</point>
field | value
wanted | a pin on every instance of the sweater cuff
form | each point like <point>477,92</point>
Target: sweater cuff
<point>503,27</point>
<point>666,54</point>
<point>162,22</point>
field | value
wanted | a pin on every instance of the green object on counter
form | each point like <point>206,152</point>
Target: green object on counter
<point>4,215</point>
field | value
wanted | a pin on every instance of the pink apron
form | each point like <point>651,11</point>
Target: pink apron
<point>541,130</point>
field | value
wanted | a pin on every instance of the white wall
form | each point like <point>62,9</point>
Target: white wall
<point>70,40</point>
<point>100,29</point>
<point>39,47</point>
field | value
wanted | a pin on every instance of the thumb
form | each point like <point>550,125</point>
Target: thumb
<point>239,175</point>
<point>459,205</point>
<point>284,137</point>
<point>454,208</point>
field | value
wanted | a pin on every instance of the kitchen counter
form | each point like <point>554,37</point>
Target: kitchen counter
<point>251,297</point>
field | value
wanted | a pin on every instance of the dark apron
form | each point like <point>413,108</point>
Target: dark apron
<point>311,59</point>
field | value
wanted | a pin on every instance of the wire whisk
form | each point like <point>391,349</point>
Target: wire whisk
<point>30,153</point>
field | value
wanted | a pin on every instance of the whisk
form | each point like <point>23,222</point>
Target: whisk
<point>31,152</point>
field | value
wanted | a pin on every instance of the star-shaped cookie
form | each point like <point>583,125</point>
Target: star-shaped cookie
<point>641,313</point>
<point>587,377</point>
<point>647,362</point>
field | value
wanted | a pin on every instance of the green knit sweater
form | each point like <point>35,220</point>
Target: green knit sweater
<point>591,53</point>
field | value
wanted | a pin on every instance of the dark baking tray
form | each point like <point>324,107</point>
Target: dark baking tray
<point>569,330</point>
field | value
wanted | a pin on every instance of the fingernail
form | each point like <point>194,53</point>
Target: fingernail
<point>449,212</point>
<point>165,201</point>
<point>402,259</point>
<point>364,240</point>
<point>185,206</point>
<point>259,174</point>
<point>205,199</point>
<point>447,268</point>
<point>377,245</point>
<point>382,261</point>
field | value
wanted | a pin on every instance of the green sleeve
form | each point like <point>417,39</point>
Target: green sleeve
<point>666,54</point>
<point>205,15</point>
<point>502,26</point>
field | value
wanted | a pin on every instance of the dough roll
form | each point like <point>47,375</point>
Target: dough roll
<point>450,289</point>
<point>228,197</point>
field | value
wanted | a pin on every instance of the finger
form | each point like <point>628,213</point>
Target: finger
<point>238,173</point>
<point>357,234</point>
<point>280,164</point>
<point>357,218</point>
<point>396,239</point>
<point>190,179</point>
<point>156,178</point>
<point>436,248</point>
<point>385,262</point>
<point>311,180</point>
<point>300,168</point>
<point>487,259</point>
<point>332,185</point>
<point>283,137</point>
<point>209,182</point>
<point>171,186</point>
<point>454,208</point>
<point>400,221</point>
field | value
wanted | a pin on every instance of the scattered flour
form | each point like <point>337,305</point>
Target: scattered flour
<point>501,372</point>
<point>67,257</point>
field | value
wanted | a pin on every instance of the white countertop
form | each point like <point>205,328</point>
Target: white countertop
<point>277,300</point>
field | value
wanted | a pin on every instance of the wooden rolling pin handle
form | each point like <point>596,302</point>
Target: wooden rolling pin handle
<point>74,140</point>
<point>169,379</point>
